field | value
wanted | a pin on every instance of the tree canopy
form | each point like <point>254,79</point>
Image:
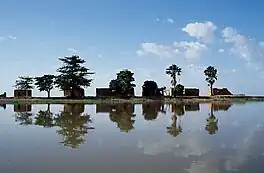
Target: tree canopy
<point>73,74</point>
<point>45,83</point>
<point>123,83</point>
<point>24,83</point>
<point>211,76</point>
<point>149,88</point>
<point>174,71</point>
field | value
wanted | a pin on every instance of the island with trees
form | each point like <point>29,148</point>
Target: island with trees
<point>73,77</point>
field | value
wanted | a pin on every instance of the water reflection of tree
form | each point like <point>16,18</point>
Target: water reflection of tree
<point>23,114</point>
<point>122,114</point>
<point>44,118</point>
<point>211,122</point>
<point>177,112</point>
<point>150,110</point>
<point>73,125</point>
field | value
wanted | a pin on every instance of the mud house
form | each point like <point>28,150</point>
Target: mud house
<point>107,92</point>
<point>22,93</point>
<point>78,93</point>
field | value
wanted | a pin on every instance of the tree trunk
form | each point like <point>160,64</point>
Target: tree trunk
<point>211,89</point>
<point>48,109</point>
<point>48,94</point>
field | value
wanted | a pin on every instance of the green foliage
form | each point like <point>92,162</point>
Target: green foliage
<point>211,76</point>
<point>173,71</point>
<point>149,88</point>
<point>123,83</point>
<point>24,83</point>
<point>179,89</point>
<point>73,74</point>
<point>45,83</point>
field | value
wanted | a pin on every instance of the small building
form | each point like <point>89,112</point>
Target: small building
<point>104,92</point>
<point>221,91</point>
<point>107,92</point>
<point>20,94</point>
<point>191,92</point>
<point>22,107</point>
<point>3,95</point>
<point>77,93</point>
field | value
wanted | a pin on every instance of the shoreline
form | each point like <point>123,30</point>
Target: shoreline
<point>136,100</point>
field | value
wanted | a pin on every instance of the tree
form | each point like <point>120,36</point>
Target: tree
<point>149,88</point>
<point>123,83</point>
<point>211,76</point>
<point>45,83</point>
<point>24,83</point>
<point>173,71</point>
<point>179,89</point>
<point>73,74</point>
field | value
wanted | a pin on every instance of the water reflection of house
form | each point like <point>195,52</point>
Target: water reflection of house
<point>3,106</point>
<point>192,107</point>
<point>74,108</point>
<point>106,108</point>
<point>22,107</point>
<point>178,109</point>
<point>220,106</point>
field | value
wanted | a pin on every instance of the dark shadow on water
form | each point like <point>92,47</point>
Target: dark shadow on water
<point>192,107</point>
<point>23,114</point>
<point>150,111</point>
<point>73,125</point>
<point>3,106</point>
<point>211,122</point>
<point>123,115</point>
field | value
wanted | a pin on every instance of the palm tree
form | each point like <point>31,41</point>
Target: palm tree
<point>174,71</point>
<point>211,76</point>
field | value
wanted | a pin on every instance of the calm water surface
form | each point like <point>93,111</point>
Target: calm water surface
<point>126,138</point>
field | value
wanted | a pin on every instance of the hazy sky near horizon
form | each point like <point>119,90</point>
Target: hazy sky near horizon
<point>144,36</point>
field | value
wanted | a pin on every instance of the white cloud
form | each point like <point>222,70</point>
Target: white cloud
<point>202,31</point>
<point>183,49</point>
<point>157,20</point>
<point>191,50</point>
<point>73,50</point>
<point>161,51</point>
<point>169,20</point>
<point>12,37</point>
<point>221,50</point>
<point>247,49</point>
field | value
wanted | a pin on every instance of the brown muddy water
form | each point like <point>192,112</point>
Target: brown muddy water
<point>127,138</point>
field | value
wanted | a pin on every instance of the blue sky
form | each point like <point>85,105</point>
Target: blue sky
<point>143,36</point>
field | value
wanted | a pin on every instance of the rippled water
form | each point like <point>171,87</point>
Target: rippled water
<point>126,138</point>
